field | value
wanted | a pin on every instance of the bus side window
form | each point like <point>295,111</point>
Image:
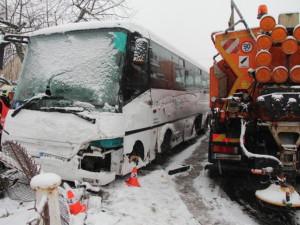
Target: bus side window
<point>161,67</point>
<point>180,72</point>
<point>190,77</point>
<point>198,79</point>
<point>205,82</point>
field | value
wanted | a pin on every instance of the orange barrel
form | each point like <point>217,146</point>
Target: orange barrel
<point>289,45</point>
<point>263,58</point>
<point>279,33</point>
<point>263,74</point>
<point>296,32</point>
<point>267,23</point>
<point>280,74</point>
<point>264,42</point>
<point>295,74</point>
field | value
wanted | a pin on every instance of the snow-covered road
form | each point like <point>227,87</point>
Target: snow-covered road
<point>208,203</point>
<point>189,197</point>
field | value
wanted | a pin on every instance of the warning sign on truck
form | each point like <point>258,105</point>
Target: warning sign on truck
<point>247,47</point>
<point>243,61</point>
<point>231,45</point>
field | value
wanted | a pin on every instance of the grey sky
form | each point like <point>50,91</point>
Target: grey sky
<point>188,24</point>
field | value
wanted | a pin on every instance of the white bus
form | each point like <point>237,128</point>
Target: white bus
<point>96,99</point>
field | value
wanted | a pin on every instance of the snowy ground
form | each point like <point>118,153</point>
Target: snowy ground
<point>186,198</point>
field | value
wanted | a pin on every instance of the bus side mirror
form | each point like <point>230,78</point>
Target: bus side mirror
<point>140,51</point>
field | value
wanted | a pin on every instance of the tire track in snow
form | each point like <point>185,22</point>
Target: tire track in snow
<point>208,211</point>
<point>216,207</point>
<point>185,182</point>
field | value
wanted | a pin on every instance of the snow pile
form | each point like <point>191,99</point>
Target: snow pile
<point>292,100</point>
<point>45,181</point>
<point>221,209</point>
<point>14,212</point>
<point>156,202</point>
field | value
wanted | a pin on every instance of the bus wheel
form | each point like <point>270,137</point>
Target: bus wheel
<point>198,125</point>
<point>137,152</point>
<point>166,144</point>
<point>165,148</point>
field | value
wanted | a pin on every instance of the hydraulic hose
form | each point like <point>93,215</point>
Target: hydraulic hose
<point>249,154</point>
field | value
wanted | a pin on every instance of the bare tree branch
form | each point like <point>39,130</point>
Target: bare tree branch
<point>23,16</point>
<point>11,25</point>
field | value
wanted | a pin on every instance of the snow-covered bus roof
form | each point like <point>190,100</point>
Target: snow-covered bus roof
<point>91,26</point>
<point>128,25</point>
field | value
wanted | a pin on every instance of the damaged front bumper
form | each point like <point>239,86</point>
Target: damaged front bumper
<point>70,170</point>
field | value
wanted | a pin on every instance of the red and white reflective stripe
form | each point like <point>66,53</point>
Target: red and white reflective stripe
<point>133,175</point>
<point>72,201</point>
<point>231,45</point>
<point>223,138</point>
<point>2,121</point>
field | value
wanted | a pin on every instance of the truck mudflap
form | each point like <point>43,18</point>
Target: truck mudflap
<point>70,171</point>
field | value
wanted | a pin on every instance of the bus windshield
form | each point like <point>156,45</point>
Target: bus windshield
<point>79,66</point>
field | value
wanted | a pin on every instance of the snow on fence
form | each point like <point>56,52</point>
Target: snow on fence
<point>21,172</point>
<point>19,169</point>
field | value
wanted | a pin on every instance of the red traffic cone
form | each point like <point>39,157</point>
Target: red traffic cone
<point>75,206</point>
<point>133,180</point>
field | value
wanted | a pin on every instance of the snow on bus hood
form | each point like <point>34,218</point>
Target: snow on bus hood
<point>63,127</point>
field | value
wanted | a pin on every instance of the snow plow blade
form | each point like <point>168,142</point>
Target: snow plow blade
<point>279,198</point>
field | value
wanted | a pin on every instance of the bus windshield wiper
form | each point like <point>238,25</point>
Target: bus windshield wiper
<point>27,104</point>
<point>76,111</point>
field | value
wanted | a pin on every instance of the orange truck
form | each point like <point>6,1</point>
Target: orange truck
<point>255,103</point>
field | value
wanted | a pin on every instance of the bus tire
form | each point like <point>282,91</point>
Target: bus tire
<point>166,144</point>
<point>165,147</point>
<point>198,125</point>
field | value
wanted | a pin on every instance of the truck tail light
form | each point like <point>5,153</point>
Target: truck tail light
<point>224,149</point>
